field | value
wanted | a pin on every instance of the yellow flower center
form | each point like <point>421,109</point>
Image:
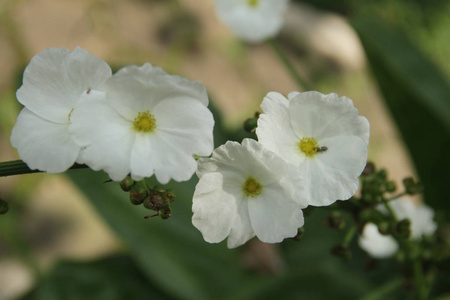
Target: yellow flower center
<point>308,146</point>
<point>251,187</point>
<point>253,3</point>
<point>144,122</point>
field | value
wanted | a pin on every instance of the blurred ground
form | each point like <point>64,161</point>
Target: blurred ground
<point>53,218</point>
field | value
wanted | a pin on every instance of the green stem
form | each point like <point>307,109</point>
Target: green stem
<point>288,64</point>
<point>389,209</point>
<point>419,278</point>
<point>349,236</point>
<point>397,196</point>
<point>18,167</point>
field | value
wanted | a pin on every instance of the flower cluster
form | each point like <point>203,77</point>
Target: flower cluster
<point>311,150</point>
<point>421,223</point>
<point>140,121</point>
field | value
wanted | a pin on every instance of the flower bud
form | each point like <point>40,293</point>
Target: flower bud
<point>403,228</point>
<point>384,228</point>
<point>165,213</point>
<point>127,183</point>
<point>341,251</point>
<point>335,220</point>
<point>170,194</point>
<point>369,169</point>
<point>4,207</point>
<point>251,123</point>
<point>137,198</point>
<point>300,233</point>
<point>412,187</point>
<point>391,186</point>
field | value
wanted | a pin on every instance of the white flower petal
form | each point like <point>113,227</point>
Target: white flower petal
<point>248,159</point>
<point>252,24</point>
<point>189,123</point>
<point>274,129</point>
<point>274,216</point>
<point>43,145</point>
<point>376,244</point>
<point>241,228</point>
<point>146,86</point>
<point>333,175</point>
<point>214,209</point>
<point>421,216</point>
<point>423,223</point>
<point>55,78</point>
<point>106,137</point>
<point>313,114</point>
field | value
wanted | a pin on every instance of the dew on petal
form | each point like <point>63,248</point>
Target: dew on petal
<point>144,122</point>
<point>252,187</point>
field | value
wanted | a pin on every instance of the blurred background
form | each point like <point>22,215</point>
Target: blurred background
<point>73,237</point>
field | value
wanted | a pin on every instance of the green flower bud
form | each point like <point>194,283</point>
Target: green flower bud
<point>127,183</point>
<point>369,169</point>
<point>170,195</point>
<point>384,228</point>
<point>251,123</point>
<point>137,198</point>
<point>165,213</point>
<point>335,220</point>
<point>4,207</point>
<point>412,187</point>
<point>341,251</point>
<point>300,233</point>
<point>403,228</point>
<point>391,186</point>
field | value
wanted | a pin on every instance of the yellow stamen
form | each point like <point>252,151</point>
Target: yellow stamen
<point>144,122</point>
<point>308,146</point>
<point>251,187</point>
<point>253,3</point>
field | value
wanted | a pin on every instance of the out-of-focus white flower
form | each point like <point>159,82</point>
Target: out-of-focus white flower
<point>421,216</point>
<point>242,193</point>
<point>382,246</point>
<point>53,83</point>
<point>145,122</point>
<point>252,20</point>
<point>376,244</point>
<point>321,137</point>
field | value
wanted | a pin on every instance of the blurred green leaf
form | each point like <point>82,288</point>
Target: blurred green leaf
<point>112,278</point>
<point>418,98</point>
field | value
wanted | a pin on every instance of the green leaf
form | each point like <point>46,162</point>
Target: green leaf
<point>112,278</point>
<point>417,96</point>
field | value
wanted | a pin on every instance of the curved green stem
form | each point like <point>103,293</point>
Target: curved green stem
<point>288,64</point>
<point>18,167</point>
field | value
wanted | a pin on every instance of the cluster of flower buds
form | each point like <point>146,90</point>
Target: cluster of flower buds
<point>374,184</point>
<point>156,198</point>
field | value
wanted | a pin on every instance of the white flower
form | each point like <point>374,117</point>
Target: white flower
<point>53,83</point>
<point>382,246</point>
<point>421,216</point>
<point>252,20</point>
<point>376,244</point>
<point>241,193</point>
<point>321,137</point>
<point>145,122</point>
